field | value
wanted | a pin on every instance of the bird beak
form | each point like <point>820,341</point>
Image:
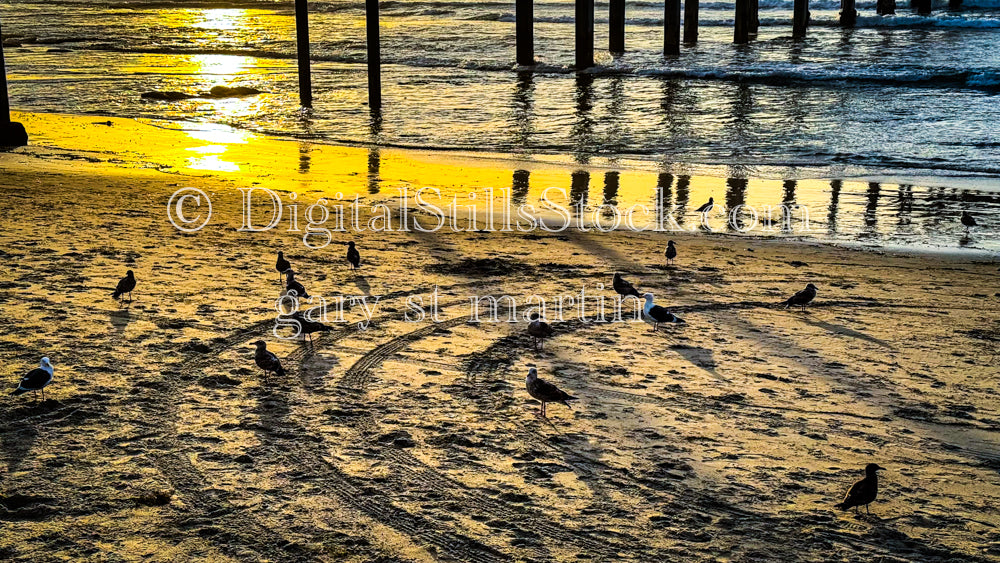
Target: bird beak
<point>880,468</point>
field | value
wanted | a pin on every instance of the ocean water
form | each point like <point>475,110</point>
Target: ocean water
<point>903,96</point>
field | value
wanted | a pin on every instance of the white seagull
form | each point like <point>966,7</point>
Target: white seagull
<point>655,315</point>
<point>36,379</point>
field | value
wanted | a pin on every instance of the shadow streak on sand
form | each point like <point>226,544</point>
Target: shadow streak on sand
<point>840,329</point>
<point>16,444</point>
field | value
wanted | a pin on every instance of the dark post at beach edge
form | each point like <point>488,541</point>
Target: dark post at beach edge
<point>11,134</point>
<point>302,42</point>
<point>524,30</point>
<point>584,34</point>
<point>374,56</point>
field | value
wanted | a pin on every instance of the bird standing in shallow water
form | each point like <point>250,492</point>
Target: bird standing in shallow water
<point>353,256</point>
<point>656,315</point>
<point>802,298</point>
<point>267,361</point>
<point>864,491</point>
<point>125,285</point>
<point>968,220</point>
<point>671,252</point>
<point>292,285</point>
<point>36,380</point>
<point>623,287</point>
<point>281,265</point>
<point>545,391</point>
<point>539,330</point>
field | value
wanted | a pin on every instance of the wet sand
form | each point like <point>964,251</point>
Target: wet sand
<point>728,439</point>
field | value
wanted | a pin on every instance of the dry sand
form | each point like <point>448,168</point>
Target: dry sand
<point>727,440</point>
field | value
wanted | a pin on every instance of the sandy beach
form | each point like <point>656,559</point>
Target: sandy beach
<point>727,439</point>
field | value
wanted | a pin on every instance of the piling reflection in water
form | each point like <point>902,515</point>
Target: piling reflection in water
<point>519,187</point>
<point>583,126</point>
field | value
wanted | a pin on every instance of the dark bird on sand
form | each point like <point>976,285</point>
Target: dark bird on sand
<point>281,265</point>
<point>864,491</point>
<point>707,207</point>
<point>292,285</point>
<point>539,330</point>
<point>968,220</point>
<point>36,379</point>
<point>623,287</point>
<point>125,285</point>
<point>545,391</point>
<point>656,315</point>
<point>307,327</point>
<point>353,256</point>
<point>267,361</point>
<point>802,298</point>
<point>671,252</point>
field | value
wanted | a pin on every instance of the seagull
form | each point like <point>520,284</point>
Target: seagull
<point>36,379</point>
<point>864,491</point>
<point>707,207</point>
<point>307,327</point>
<point>802,298</point>
<point>292,285</point>
<point>623,287</point>
<point>539,330</point>
<point>968,220</point>
<point>281,265</point>
<point>353,256</point>
<point>655,315</point>
<point>545,391</point>
<point>267,361</point>
<point>671,252</point>
<point>125,285</point>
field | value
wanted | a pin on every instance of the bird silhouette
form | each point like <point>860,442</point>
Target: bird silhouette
<point>803,297</point>
<point>539,330</point>
<point>864,491</point>
<point>706,207</point>
<point>968,220</point>
<point>353,256</point>
<point>125,285</point>
<point>656,315</point>
<point>308,327</point>
<point>545,391</point>
<point>623,287</point>
<point>36,380</point>
<point>671,252</point>
<point>293,285</point>
<point>267,361</point>
<point>281,265</point>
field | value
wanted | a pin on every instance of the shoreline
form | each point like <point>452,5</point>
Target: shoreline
<point>950,178</point>
<point>379,175</point>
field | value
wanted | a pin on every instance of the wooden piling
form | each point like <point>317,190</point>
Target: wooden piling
<point>848,13</point>
<point>616,26</point>
<point>923,7</point>
<point>11,134</point>
<point>4,100</point>
<point>374,56</point>
<point>690,22</point>
<point>302,42</point>
<point>954,4</point>
<point>800,18</point>
<point>584,34</point>
<point>671,27</point>
<point>741,35</point>
<point>885,7</point>
<point>754,17</point>
<point>525,32</point>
